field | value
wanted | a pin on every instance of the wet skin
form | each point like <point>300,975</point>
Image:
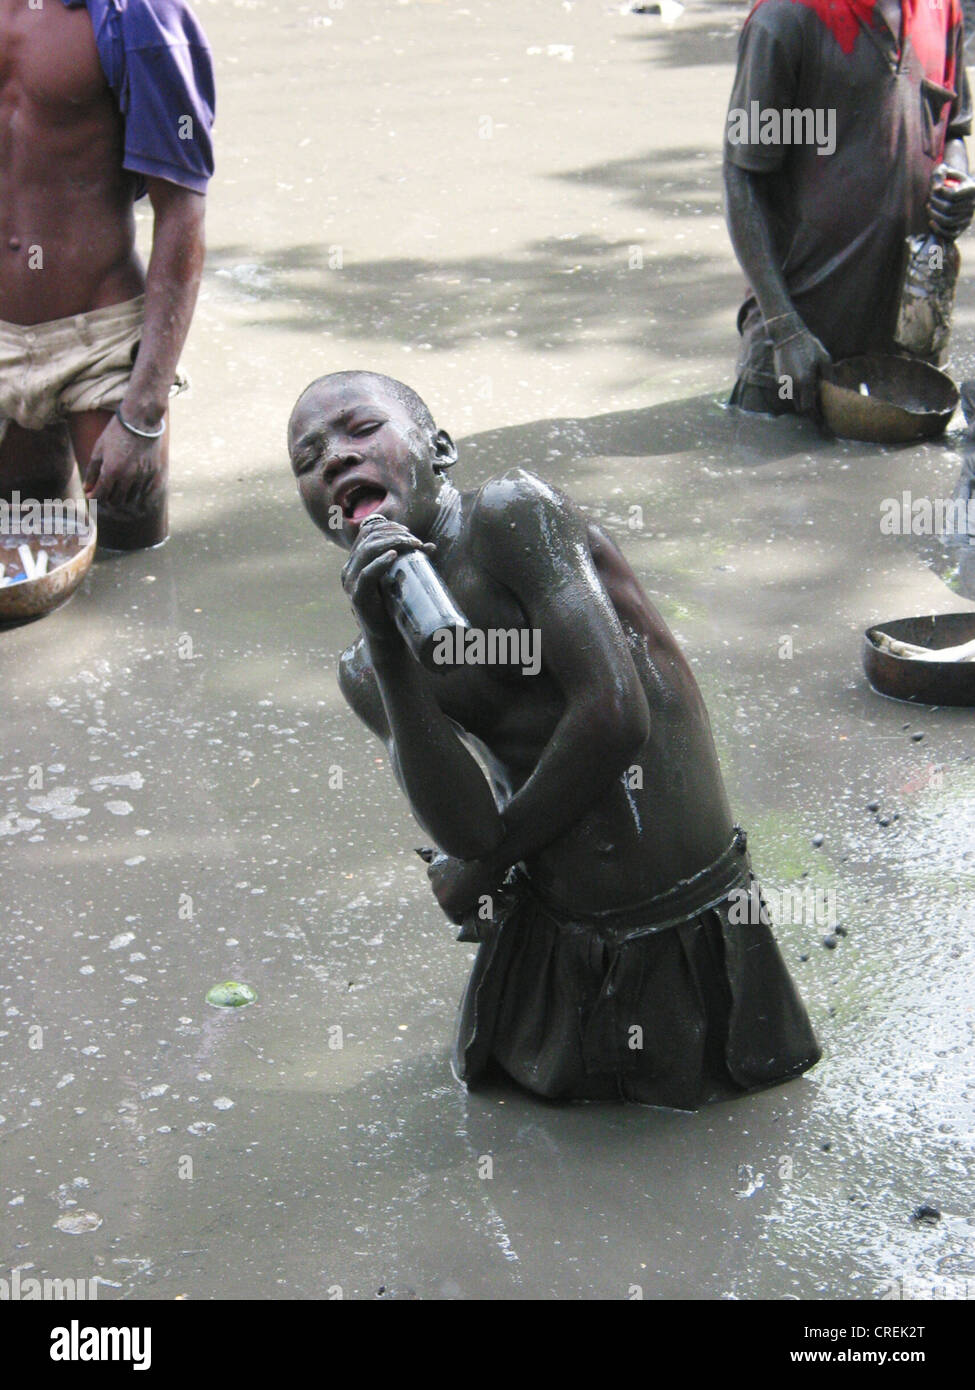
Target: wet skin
<point>614,693</point>
<point>63,188</point>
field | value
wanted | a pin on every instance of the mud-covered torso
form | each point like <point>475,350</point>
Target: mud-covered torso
<point>666,816</point>
<point>66,224</point>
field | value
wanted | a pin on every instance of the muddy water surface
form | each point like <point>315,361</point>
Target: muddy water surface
<point>517,209</point>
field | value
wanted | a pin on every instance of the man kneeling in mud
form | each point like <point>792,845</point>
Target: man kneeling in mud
<point>599,866</point>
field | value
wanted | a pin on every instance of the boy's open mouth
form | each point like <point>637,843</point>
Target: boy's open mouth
<point>361,500</point>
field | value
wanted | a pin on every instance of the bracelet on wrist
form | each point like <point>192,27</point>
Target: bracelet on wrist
<point>777,318</point>
<point>141,434</point>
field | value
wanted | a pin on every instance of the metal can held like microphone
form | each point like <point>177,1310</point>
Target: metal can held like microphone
<point>423,610</point>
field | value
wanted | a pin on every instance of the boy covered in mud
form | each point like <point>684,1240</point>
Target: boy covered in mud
<point>597,862</point>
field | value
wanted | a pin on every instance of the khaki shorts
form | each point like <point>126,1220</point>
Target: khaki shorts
<point>66,366</point>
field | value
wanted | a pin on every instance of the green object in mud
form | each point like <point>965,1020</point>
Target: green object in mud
<point>231,995</point>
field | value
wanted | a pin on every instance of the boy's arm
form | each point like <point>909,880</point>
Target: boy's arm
<point>357,682</point>
<point>534,541</point>
<point>446,788</point>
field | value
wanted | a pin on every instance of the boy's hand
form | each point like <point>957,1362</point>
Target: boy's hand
<point>459,884</point>
<point>377,545</point>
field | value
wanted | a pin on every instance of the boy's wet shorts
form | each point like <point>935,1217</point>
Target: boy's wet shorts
<point>67,366</point>
<point>672,1002</point>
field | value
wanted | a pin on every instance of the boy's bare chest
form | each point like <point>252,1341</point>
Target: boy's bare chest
<point>485,601</point>
<point>49,61</point>
<point>494,685</point>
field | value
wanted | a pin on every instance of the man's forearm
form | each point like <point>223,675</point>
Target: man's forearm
<point>747,214</point>
<point>172,283</point>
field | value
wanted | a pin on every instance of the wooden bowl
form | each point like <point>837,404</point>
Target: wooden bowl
<point>33,598</point>
<point>923,682</point>
<point>907,399</point>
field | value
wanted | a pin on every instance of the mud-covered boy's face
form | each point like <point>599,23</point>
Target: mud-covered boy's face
<point>356,451</point>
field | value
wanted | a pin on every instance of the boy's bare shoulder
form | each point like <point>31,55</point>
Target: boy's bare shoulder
<point>517,508</point>
<point>515,487</point>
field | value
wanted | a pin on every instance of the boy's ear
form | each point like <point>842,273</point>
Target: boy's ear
<point>444,450</point>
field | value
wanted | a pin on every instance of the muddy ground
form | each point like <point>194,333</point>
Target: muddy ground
<point>517,209</point>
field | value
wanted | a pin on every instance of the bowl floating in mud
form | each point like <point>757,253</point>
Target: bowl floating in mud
<point>886,400</point>
<point>40,573</point>
<point>925,681</point>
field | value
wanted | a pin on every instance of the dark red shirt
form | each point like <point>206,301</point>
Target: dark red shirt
<point>840,219</point>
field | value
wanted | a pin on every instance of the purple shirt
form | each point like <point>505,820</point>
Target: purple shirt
<point>157,63</point>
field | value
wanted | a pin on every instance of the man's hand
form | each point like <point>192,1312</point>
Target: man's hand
<point>951,203</point>
<point>377,546</point>
<point>798,357</point>
<point>125,472</point>
<point>459,884</point>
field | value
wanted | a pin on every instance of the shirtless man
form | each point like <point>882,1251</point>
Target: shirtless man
<point>99,102</point>
<point>598,863</point>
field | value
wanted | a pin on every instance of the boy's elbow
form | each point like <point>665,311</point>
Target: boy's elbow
<point>468,842</point>
<point>468,848</point>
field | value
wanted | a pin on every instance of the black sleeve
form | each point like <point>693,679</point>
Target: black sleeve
<point>767,78</point>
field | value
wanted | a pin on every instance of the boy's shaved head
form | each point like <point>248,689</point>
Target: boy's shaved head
<point>415,406</point>
<point>361,442</point>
